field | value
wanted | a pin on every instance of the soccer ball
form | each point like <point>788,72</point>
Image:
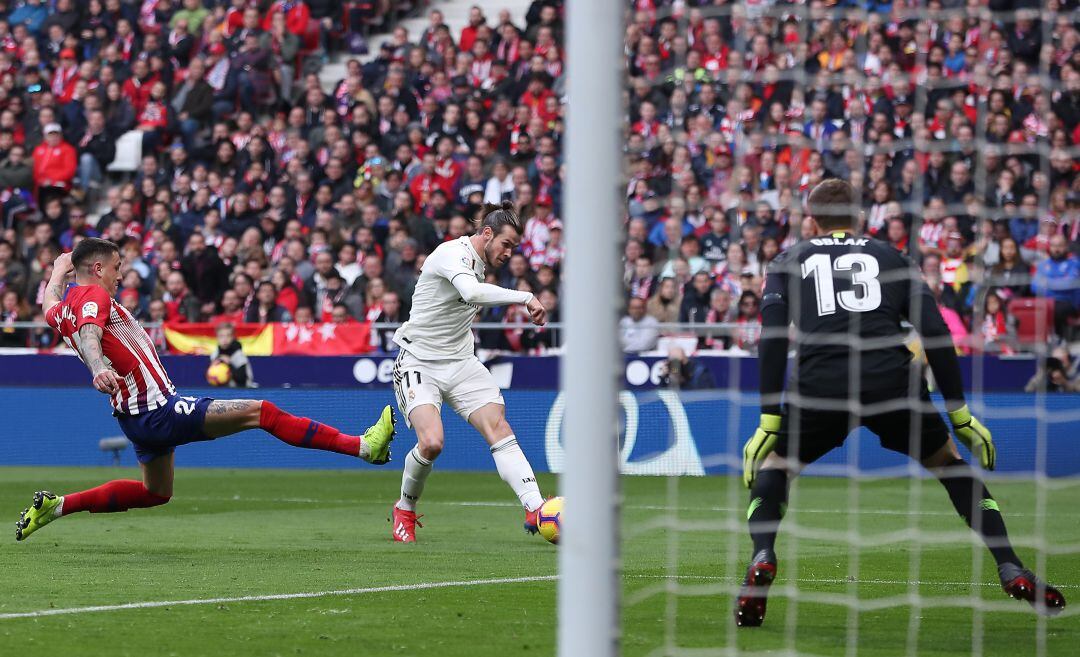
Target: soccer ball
<point>218,374</point>
<point>549,519</point>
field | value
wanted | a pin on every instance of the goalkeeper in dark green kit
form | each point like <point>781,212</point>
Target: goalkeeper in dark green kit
<point>847,295</point>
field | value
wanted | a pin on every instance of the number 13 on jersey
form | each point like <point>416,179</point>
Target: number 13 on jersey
<point>864,275</point>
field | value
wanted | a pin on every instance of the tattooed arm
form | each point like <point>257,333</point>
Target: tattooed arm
<point>105,380</point>
<point>54,291</point>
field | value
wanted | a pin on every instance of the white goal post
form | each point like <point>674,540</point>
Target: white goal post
<point>588,557</point>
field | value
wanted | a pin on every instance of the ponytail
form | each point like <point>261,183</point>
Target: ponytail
<point>496,216</point>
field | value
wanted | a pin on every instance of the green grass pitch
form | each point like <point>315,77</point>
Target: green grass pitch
<point>234,533</point>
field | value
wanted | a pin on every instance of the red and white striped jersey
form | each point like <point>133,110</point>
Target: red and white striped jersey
<point>127,348</point>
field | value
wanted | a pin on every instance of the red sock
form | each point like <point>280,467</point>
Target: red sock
<point>305,432</point>
<point>118,495</point>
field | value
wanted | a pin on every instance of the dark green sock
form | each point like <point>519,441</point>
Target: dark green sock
<point>978,509</point>
<point>768,501</point>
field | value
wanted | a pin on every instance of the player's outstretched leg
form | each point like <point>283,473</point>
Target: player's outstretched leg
<point>980,511</point>
<point>510,461</point>
<point>768,499</point>
<point>226,417</point>
<point>110,497</point>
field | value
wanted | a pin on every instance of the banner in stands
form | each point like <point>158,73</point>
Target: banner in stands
<point>375,370</point>
<point>662,432</point>
<point>276,339</point>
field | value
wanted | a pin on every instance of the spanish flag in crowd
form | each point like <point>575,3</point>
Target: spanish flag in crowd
<point>275,339</point>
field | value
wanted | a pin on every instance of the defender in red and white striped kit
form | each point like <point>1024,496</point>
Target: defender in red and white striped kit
<point>124,365</point>
<point>143,384</point>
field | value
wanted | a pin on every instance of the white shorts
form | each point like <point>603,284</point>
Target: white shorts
<point>465,384</point>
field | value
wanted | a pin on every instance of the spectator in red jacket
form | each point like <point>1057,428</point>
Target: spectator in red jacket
<point>154,119</point>
<point>469,32</point>
<point>426,182</point>
<point>297,15</point>
<point>137,87</point>
<point>65,75</point>
<point>55,163</point>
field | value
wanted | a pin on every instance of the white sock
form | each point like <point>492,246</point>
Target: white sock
<point>417,469</point>
<point>515,470</point>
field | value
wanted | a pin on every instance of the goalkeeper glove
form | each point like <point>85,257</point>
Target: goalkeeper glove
<point>760,445</point>
<point>975,436</point>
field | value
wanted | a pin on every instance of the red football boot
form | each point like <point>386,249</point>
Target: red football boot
<point>750,605</point>
<point>1022,584</point>
<point>403,524</point>
<point>532,523</point>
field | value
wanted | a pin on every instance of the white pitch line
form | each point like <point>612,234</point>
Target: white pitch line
<point>442,585</point>
<point>278,596</point>
<point>446,585</point>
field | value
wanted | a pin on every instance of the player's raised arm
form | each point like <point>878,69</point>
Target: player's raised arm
<point>88,306</point>
<point>105,379</point>
<point>476,293</point>
<point>498,234</point>
<point>54,291</point>
<point>485,294</point>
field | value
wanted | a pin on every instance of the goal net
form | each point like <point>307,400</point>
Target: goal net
<point>957,125</point>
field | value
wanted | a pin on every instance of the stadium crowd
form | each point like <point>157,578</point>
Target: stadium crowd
<point>957,122</point>
<point>263,197</point>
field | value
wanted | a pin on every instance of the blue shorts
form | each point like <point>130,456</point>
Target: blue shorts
<point>158,432</point>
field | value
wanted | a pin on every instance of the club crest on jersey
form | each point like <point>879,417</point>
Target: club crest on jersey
<point>89,309</point>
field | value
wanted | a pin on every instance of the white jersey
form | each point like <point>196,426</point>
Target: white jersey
<point>440,324</point>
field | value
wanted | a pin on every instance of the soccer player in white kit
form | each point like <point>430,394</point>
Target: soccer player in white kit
<point>437,362</point>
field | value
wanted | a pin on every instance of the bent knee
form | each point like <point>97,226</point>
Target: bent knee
<point>496,431</point>
<point>491,422</point>
<point>430,445</point>
<point>502,428</point>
